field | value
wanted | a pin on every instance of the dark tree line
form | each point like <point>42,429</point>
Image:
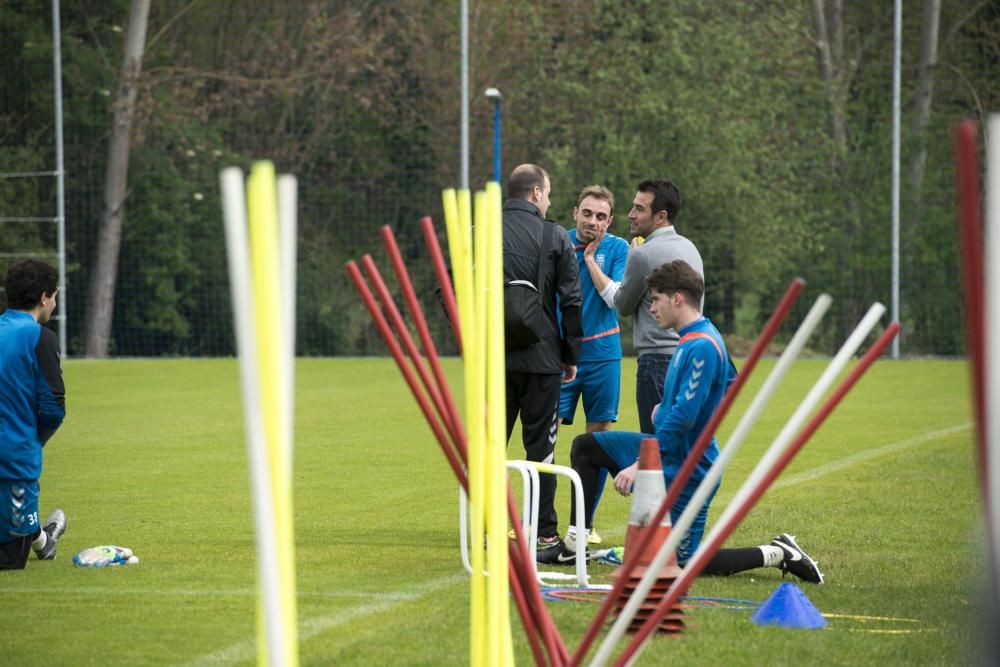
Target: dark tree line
<point>773,118</point>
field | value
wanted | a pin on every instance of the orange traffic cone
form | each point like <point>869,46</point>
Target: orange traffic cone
<point>648,493</point>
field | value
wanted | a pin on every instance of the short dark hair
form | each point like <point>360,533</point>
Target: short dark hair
<point>666,197</point>
<point>27,281</point>
<point>678,277</point>
<point>524,179</point>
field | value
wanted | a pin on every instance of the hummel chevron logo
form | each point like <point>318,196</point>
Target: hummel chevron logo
<point>17,492</point>
<point>692,384</point>
<point>18,504</point>
<point>696,374</point>
<point>689,395</point>
<point>698,363</point>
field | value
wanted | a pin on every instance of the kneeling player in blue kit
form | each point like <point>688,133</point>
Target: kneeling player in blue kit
<point>698,376</point>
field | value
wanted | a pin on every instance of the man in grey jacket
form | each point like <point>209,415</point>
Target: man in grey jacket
<point>654,210</point>
<point>535,374</point>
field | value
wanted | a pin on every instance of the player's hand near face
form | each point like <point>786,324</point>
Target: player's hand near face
<point>588,252</point>
<point>625,479</point>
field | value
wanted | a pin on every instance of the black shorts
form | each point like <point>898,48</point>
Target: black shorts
<point>14,554</point>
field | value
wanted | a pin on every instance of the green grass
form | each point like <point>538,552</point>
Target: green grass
<point>152,456</point>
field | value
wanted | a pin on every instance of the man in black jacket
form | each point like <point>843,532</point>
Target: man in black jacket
<point>535,374</point>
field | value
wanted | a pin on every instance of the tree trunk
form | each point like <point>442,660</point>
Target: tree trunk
<point>923,101</point>
<point>105,271</point>
<point>830,52</point>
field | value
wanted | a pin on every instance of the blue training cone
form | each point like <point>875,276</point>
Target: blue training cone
<point>789,607</point>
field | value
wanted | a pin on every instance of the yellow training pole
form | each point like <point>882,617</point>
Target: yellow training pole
<point>481,273</point>
<point>496,402</point>
<point>496,524</point>
<point>461,268</point>
<point>264,258</point>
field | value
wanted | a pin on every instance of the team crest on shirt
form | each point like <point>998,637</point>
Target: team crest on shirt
<point>600,260</point>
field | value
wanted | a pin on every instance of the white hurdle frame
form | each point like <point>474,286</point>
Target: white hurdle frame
<point>529,474</point>
<point>529,477</point>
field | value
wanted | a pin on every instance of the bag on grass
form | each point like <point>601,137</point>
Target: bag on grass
<point>524,318</point>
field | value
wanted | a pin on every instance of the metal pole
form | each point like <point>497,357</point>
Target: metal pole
<point>496,142</point>
<point>60,175</point>
<point>494,94</point>
<point>896,67</point>
<point>464,176</point>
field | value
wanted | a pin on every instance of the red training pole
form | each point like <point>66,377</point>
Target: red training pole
<point>970,234</point>
<point>540,621</point>
<point>632,556</point>
<point>396,258</point>
<point>522,554</point>
<point>525,611</point>
<point>694,567</point>
<point>396,318</point>
<point>441,270</point>
<point>406,285</point>
<point>397,353</point>
<point>970,224</point>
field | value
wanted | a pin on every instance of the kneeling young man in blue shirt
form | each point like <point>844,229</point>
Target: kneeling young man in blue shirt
<point>697,379</point>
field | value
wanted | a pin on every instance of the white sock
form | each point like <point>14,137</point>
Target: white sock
<point>772,555</point>
<point>39,543</point>
<point>571,536</point>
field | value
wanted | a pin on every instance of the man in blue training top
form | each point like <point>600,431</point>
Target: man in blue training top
<point>696,381</point>
<point>602,257</point>
<point>32,406</point>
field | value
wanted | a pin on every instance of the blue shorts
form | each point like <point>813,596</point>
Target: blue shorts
<point>623,449</point>
<point>600,383</point>
<point>18,508</point>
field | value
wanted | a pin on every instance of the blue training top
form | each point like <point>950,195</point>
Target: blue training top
<point>601,335</point>
<point>696,381</point>
<point>32,396</point>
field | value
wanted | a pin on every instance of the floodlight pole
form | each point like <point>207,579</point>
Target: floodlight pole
<point>896,66</point>
<point>494,94</point>
<point>464,175</point>
<point>60,176</point>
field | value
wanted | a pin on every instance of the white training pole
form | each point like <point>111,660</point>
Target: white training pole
<point>991,325</point>
<point>749,418</point>
<point>238,255</point>
<point>463,528</point>
<point>288,249</point>
<point>783,439</point>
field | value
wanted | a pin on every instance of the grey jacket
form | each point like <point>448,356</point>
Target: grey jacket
<point>662,246</point>
<point>522,236</point>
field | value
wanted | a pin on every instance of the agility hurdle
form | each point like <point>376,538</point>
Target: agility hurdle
<point>529,472</point>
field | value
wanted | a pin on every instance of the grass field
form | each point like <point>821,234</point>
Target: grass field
<point>152,457</point>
